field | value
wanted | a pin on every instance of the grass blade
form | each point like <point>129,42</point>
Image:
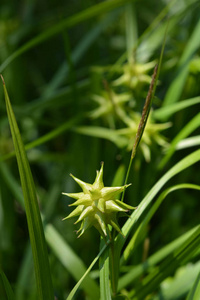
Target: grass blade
<point>71,261</point>
<point>176,88</point>
<point>180,166</point>
<point>153,260</point>
<point>71,295</point>
<point>189,142</point>
<point>187,130</point>
<point>38,244</point>
<point>194,293</point>
<point>178,257</point>
<point>163,113</point>
<point>139,232</point>
<point>105,291</point>
<point>91,12</point>
<point>6,285</point>
<point>47,137</point>
<point>61,249</point>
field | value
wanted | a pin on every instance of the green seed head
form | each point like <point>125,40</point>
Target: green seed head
<point>96,205</point>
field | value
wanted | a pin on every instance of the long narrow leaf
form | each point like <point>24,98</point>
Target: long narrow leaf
<point>194,293</point>
<point>189,142</point>
<point>135,239</point>
<point>91,12</point>
<point>177,85</point>
<point>72,293</point>
<point>61,249</point>
<point>47,137</point>
<point>104,262</point>
<point>6,285</point>
<point>153,260</point>
<point>38,244</point>
<point>180,166</point>
<point>165,112</point>
<point>185,132</point>
<point>178,257</point>
<point>70,261</point>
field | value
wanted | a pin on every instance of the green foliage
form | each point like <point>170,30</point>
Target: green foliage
<point>77,74</point>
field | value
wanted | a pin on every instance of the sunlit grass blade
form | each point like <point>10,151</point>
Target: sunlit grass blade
<point>194,293</point>
<point>72,293</point>
<point>6,287</point>
<point>70,261</point>
<point>185,132</point>
<point>175,259</point>
<point>176,87</point>
<point>166,112</point>
<point>36,233</point>
<point>91,12</point>
<point>136,238</point>
<point>153,260</point>
<point>189,142</point>
<point>104,133</point>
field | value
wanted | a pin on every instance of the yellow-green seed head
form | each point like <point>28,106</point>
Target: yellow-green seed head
<point>96,205</point>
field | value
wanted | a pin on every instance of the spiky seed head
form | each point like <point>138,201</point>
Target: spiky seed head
<point>97,205</point>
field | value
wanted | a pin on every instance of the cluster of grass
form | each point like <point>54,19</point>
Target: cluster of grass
<point>75,78</point>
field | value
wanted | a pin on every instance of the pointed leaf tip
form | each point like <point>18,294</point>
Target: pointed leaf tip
<point>2,79</point>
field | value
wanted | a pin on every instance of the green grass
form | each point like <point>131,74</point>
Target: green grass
<point>76,78</point>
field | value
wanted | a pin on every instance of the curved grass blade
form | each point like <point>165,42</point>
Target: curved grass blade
<point>187,130</point>
<point>91,12</point>
<point>38,244</point>
<point>180,166</point>
<point>72,293</point>
<point>153,260</point>
<point>6,285</point>
<point>70,261</point>
<point>139,232</point>
<point>176,258</point>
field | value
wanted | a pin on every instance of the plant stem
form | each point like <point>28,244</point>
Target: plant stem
<point>143,121</point>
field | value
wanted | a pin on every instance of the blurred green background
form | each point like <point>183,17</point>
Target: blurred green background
<point>76,51</point>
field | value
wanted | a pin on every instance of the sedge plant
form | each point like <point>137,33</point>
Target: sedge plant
<point>168,272</point>
<point>97,205</point>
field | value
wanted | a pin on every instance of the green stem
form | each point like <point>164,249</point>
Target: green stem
<point>143,121</point>
<point>112,264</point>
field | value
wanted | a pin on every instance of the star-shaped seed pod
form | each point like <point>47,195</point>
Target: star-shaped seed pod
<point>97,205</point>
